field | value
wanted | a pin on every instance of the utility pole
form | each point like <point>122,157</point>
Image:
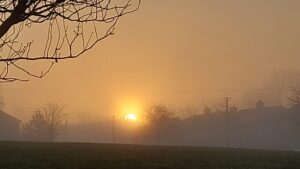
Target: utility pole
<point>227,121</point>
<point>114,129</point>
<point>227,104</point>
<point>66,132</point>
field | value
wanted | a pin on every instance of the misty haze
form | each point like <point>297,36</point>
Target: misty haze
<point>150,84</point>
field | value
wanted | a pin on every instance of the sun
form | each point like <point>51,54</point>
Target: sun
<point>130,117</point>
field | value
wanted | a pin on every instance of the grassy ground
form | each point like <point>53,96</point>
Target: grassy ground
<point>19,155</point>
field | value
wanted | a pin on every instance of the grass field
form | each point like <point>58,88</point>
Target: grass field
<point>20,155</point>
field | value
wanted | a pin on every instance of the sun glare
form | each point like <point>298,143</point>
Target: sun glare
<point>131,117</point>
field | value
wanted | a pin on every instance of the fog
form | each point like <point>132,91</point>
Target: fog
<point>178,53</point>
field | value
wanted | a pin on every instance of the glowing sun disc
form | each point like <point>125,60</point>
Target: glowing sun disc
<point>131,117</point>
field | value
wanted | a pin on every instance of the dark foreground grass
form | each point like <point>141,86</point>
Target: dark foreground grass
<point>20,155</point>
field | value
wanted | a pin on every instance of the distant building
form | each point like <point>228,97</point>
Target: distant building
<point>9,127</point>
<point>262,126</point>
<point>260,104</point>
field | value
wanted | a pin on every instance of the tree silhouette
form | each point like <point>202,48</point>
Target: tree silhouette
<point>72,27</point>
<point>36,128</point>
<point>159,120</point>
<point>294,97</point>
<point>46,123</point>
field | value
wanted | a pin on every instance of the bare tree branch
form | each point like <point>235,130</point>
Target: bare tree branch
<point>74,27</point>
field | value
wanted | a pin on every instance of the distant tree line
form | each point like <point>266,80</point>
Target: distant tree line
<point>49,121</point>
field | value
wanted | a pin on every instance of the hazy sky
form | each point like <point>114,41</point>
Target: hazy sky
<point>174,52</point>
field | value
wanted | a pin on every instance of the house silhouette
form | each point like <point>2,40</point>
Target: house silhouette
<point>272,127</point>
<point>9,127</point>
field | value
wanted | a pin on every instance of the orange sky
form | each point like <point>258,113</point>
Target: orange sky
<point>178,53</point>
